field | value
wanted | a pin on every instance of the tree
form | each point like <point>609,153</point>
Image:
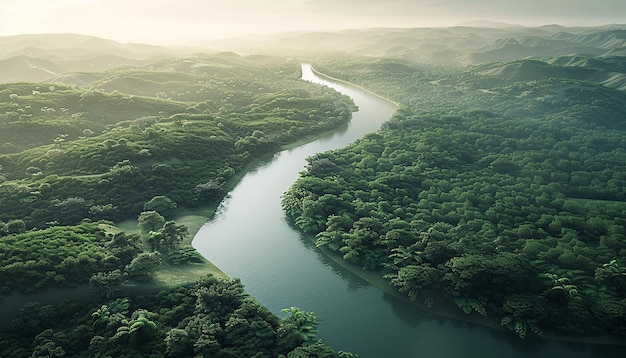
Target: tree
<point>318,350</point>
<point>304,322</point>
<point>142,265</point>
<point>414,279</point>
<point>177,343</point>
<point>173,235</point>
<point>72,210</point>
<point>155,238</point>
<point>107,283</point>
<point>48,344</point>
<point>15,226</point>
<point>103,212</point>
<point>142,325</point>
<point>208,190</point>
<point>162,204</point>
<point>125,246</point>
<point>150,221</point>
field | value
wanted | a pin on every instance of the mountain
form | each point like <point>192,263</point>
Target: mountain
<point>610,72</point>
<point>23,68</point>
<point>472,44</point>
<point>66,46</point>
<point>45,57</point>
<point>490,24</point>
<point>66,57</point>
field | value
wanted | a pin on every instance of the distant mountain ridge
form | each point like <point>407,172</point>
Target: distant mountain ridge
<point>36,58</point>
<point>67,57</point>
<point>461,45</point>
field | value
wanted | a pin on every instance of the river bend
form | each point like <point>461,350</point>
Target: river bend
<point>250,238</point>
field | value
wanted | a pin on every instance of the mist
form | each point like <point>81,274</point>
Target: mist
<point>188,22</point>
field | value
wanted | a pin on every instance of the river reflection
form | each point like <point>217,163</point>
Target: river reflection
<point>250,238</point>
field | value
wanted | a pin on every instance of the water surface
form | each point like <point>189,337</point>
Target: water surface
<point>250,238</point>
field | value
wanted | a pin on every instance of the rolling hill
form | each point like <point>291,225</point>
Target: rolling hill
<point>38,58</point>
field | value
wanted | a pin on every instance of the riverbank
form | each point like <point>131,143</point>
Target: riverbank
<point>445,307</point>
<point>330,78</point>
<point>194,219</point>
<point>169,275</point>
<point>442,306</point>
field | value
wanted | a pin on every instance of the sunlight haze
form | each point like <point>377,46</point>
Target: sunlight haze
<point>188,22</point>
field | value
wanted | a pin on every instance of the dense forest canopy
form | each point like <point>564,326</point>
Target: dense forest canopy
<point>167,129</point>
<point>143,142</point>
<point>212,318</point>
<point>500,190</point>
<point>498,184</point>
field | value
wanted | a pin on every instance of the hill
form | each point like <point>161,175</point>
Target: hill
<point>471,44</point>
<point>23,68</point>
<point>36,58</point>
<point>496,187</point>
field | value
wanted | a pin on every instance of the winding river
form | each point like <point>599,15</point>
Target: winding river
<point>250,238</point>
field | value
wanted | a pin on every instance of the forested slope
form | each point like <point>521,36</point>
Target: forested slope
<point>212,318</point>
<point>109,153</point>
<point>505,195</point>
<point>142,142</point>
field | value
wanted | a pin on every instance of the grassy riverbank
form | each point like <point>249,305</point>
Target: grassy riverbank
<point>174,275</point>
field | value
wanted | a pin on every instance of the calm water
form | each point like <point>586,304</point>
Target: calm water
<point>250,238</point>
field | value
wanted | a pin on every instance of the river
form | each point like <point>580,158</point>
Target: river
<point>250,238</point>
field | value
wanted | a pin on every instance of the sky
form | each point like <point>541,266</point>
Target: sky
<point>193,22</point>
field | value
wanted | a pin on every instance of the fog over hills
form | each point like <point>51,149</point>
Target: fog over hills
<point>583,53</point>
<point>46,56</point>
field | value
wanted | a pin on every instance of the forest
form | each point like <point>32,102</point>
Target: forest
<point>497,186</point>
<point>143,142</point>
<point>212,318</point>
<point>504,195</point>
<point>102,153</point>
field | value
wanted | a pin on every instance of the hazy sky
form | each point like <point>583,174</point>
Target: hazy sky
<point>192,21</point>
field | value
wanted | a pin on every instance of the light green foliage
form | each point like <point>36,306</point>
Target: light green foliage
<point>168,237</point>
<point>304,322</point>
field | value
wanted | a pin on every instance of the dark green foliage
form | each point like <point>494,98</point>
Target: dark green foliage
<point>515,212</point>
<point>107,283</point>
<point>209,190</point>
<point>302,322</point>
<point>71,210</point>
<point>212,318</point>
<point>184,255</point>
<point>61,256</point>
<point>88,154</point>
<point>318,350</point>
<point>161,204</point>
<point>150,221</point>
<point>142,265</point>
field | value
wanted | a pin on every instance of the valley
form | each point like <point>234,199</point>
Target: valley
<point>495,189</point>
